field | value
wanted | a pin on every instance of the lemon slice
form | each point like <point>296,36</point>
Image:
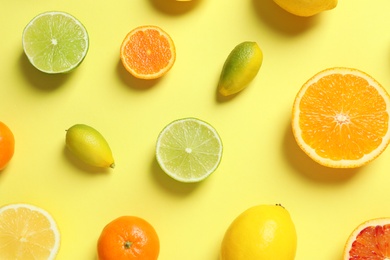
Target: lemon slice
<point>55,42</point>
<point>27,232</point>
<point>189,150</point>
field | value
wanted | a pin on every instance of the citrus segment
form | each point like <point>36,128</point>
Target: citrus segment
<point>370,240</point>
<point>240,68</point>
<point>260,232</point>
<point>27,232</point>
<point>341,118</point>
<point>7,145</point>
<point>128,238</point>
<point>55,42</point>
<point>189,150</point>
<point>148,52</point>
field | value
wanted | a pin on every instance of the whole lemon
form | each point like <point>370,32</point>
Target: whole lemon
<point>87,144</point>
<point>306,7</point>
<point>240,68</point>
<point>263,232</point>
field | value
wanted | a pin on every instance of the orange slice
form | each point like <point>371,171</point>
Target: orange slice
<point>341,118</point>
<point>148,52</point>
<point>27,232</point>
<point>370,240</point>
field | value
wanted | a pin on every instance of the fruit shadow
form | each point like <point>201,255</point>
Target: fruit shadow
<point>3,172</point>
<point>40,80</point>
<point>169,184</point>
<point>81,165</point>
<point>133,82</point>
<point>303,164</point>
<point>279,19</point>
<point>175,7</point>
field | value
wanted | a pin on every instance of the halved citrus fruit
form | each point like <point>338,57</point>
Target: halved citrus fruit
<point>340,118</point>
<point>55,42</point>
<point>370,240</point>
<point>148,52</point>
<point>27,232</point>
<point>189,150</point>
<point>128,238</point>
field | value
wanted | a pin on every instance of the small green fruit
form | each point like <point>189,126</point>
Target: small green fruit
<point>89,145</point>
<point>240,68</point>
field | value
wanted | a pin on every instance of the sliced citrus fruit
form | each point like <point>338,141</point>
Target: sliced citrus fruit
<point>189,150</point>
<point>55,42</point>
<point>148,52</point>
<point>340,118</point>
<point>369,240</point>
<point>240,68</point>
<point>128,238</point>
<point>27,232</point>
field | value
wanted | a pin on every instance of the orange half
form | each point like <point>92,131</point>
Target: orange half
<point>341,118</point>
<point>148,52</point>
<point>370,240</point>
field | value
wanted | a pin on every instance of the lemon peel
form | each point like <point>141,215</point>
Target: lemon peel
<point>88,145</point>
<point>240,68</point>
<point>260,232</point>
<point>306,8</point>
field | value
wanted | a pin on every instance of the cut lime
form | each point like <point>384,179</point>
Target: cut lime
<point>189,150</point>
<point>55,42</point>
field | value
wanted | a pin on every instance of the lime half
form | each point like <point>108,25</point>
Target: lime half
<point>55,42</point>
<point>189,150</point>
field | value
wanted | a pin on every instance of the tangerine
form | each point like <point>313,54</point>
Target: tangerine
<point>341,118</point>
<point>128,238</point>
<point>148,52</point>
<point>7,145</point>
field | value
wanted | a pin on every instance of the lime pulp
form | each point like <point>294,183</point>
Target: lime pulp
<point>55,42</point>
<point>189,150</point>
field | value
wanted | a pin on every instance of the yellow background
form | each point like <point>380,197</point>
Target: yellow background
<point>261,163</point>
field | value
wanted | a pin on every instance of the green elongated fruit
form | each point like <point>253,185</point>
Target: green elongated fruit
<point>240,68</point>
<point>88,145</point>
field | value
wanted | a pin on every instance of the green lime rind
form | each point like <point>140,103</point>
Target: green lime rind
<point>189,150</point>
<point>55,42</point>
<point>240,68</point>
<point>88,145</point>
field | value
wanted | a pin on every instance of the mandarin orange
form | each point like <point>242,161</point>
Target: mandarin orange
<point>7,145</point>
<point>128,238</point>
<point>341,118</point>
<point>148,52</point>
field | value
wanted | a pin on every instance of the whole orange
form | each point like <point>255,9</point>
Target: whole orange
<point>128,238</point>
<point>7,145</point>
